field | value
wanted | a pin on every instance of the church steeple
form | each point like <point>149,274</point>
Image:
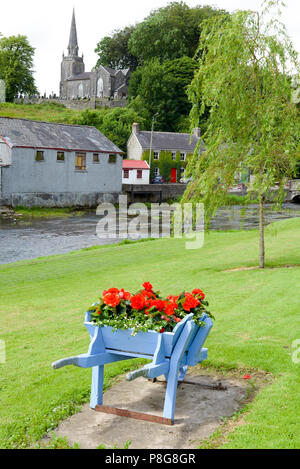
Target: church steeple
<point>73,43</point>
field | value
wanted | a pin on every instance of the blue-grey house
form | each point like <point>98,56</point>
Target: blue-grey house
<point>57,165</point>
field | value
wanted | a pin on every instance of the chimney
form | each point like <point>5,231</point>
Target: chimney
<point>135,128</point>
<point>197,132</point>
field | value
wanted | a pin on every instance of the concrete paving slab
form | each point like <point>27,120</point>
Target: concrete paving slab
<point>199,411</point>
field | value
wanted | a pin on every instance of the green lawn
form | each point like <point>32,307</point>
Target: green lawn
<point>257,319</point>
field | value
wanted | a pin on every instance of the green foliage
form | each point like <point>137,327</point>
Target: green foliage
<point>161,88</point>
<point>113,50</point>
<point>16,62</point>
<point>243,79</point>
<point>166,163</point>
<point>115,124</point>
<point>169,33</point>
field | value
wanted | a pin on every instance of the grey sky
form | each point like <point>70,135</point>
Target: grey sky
<point>47,25</point>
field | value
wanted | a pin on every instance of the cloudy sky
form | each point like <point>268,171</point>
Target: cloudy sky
<point>47,25</point>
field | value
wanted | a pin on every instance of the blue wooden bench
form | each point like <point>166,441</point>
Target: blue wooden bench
<point>171,355</point>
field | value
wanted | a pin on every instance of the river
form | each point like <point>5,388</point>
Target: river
<point>24,239</point>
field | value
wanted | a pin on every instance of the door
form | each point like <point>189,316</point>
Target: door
<point>173,176</point>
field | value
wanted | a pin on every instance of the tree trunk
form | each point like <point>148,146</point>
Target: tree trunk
<point>261,233</point>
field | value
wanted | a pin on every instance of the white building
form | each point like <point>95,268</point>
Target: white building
<point>136,172</point>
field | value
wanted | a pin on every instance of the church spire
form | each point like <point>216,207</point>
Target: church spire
<point>73,43</point>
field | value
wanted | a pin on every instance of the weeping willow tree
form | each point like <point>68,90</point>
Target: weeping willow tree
<point>246,62</point>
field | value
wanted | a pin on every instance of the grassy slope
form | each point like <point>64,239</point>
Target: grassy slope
<point>40,112</point>
<point>42,304</point>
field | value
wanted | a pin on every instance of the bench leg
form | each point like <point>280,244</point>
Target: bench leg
<point>97,386</point>
<point>170,400</point>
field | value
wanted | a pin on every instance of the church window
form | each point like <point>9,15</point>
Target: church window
<point>80,161</point>
<point>100,88</point>
<point>39,156</point>
<point>80,90</point>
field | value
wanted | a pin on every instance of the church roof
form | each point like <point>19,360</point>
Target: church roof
<point>23,133</point>
<point>80,76</point>
<point>167,141</point>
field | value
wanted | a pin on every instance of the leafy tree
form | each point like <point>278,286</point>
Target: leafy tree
<point>113,50</point>
<point>16,62</point>
<point>115,124</point>
<point>243,77</point>
<point>169,33</point>
<point>161,88</point>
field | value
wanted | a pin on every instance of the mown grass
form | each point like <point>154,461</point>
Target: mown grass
<point>257,319</point>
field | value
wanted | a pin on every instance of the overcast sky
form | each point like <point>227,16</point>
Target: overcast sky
<point>47,26</point>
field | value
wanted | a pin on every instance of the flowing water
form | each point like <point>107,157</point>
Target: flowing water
<point>23,239</point>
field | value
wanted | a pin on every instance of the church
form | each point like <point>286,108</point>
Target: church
<point>76,83</point>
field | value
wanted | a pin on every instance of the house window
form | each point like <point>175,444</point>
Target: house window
<point>182,156</point>
<point>182,170</point>
<point>112,159</point>
<point>140,174</point>
<point>156,155</point>
<point>60,156</point>
<point>174,155</point>
<point>156,172</point>
<point>96,158</point>
<point>126,173</point>
<point>39,156</point>
<point>80,161</point>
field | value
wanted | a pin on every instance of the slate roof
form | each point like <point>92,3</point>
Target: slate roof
<point>45,135</point>
<point>167,141</point>
<point>135,164</point>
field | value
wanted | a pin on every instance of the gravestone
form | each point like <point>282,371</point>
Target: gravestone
<point>2,91</point>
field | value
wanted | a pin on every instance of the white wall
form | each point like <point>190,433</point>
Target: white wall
<point>134,149</point>
<point>5,154</point>
<point>133,177</point>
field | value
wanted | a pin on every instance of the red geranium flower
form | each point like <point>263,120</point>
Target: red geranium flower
<point>111,299</point>
<point>247,377</point>
<point>190,303</point>
<point>159,304</point>
<point>138,302</point>
<point>111,290</point>
<point>162,331</point>
<point>148,286</point>
<point>124,295</point>
<point>148,294</point>
<point>170,309</point>
<point>199,293</point>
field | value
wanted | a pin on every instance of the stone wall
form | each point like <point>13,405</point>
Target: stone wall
<point>153,193</point>
<point>76,104</point>
<point>58,199</point>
